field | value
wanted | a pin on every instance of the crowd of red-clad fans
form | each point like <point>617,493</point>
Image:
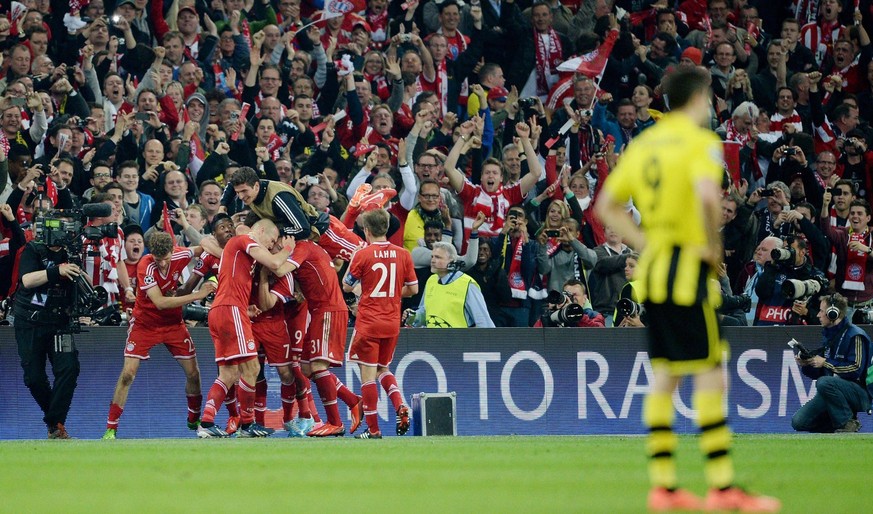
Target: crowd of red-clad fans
<point>492,123</point>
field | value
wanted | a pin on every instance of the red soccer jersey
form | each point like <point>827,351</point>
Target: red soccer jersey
<point>383,269</point>
<point>339,240</point>
<point>317,278</point>
<point>131,274</point>
<point>235,273</point>
<point>206,264</point>
<point>283,289</point>
<point>148,276</point>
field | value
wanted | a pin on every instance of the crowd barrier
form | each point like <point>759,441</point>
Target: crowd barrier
<point>508,381</point>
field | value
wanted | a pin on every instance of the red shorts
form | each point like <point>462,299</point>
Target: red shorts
<point>272,335</point>
<point>297,318</point>
<point>372,351</point>
<point>231,331</point>
<point>140,340</point>
<point>326,338</point>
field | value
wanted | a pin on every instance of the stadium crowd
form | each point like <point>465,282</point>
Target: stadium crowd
<point>488,125</point>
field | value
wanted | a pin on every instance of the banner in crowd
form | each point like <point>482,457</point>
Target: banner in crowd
<point>508,381</point>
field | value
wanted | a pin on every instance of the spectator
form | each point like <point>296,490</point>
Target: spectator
<point>607,277</point>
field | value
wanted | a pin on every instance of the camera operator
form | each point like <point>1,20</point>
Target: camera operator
<point>840,368</point>
<point>770,223</point>
<point>788,283</point>
<point>570,308</point>
<point>43,304</point>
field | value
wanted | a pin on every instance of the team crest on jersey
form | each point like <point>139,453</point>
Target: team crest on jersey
<point>175,276</point>
<point>148,280</point>
<point>251,345</point>
<point>855,272</point>
<point>130,347</point>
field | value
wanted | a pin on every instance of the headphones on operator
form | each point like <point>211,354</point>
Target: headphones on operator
<point>832,312</point>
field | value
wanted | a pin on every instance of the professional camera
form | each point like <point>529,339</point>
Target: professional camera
<point>68,229</point>
<point>797,289</point>
<point>629,308</point>
<point>456,265</point>
<point>527,103</point>
<point>111,316</point>
<point>195,312</point>
<point>863,316</point>
<point>563,312</point>
<point>783,255</point>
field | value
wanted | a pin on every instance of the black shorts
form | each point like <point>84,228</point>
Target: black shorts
<point>687,340</point>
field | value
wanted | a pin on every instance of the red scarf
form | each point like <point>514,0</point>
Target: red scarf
<point>383,91</point>
<point>516,282</point>
<point>856,263</point>
<point>548,59</point>
<point>731,133</point>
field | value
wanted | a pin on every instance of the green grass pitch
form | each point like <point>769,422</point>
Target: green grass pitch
<point>598,474</point>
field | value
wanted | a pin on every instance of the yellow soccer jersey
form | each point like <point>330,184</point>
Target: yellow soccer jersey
<point>659,170</point>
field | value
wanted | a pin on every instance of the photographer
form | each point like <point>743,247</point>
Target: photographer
<point>857,163</point>
<point>787,285</point>
<point>840,368</point>
<point>43,305</point>
<point>570,308</point>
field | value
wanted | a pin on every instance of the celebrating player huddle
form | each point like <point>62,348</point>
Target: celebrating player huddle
<point>278,302</point>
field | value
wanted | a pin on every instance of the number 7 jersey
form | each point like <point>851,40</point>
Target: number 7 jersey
<point>383,269</point>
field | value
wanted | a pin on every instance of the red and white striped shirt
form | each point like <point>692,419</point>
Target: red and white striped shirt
<point>819,38</point>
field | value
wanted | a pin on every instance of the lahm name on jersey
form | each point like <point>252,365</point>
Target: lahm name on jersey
<point>385,254</point>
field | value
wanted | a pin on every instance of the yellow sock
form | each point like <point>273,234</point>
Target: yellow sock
<point>662,442</point>
<point>715,438</point>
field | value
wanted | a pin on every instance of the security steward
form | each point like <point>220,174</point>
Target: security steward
<point>43,303</point>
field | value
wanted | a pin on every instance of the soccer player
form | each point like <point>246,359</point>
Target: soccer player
<point>157,319</point>
<point>325,342</point>
<point>231,328</point>
<point>674,171</point>
<point>285,314</point>
<point>386,274</point>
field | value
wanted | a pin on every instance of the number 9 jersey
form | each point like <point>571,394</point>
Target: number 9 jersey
<point>660,170</point>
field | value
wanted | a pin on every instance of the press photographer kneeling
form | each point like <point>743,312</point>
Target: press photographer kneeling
<point>567,309</point>
<point>840,368</point>
<point>788,285</point>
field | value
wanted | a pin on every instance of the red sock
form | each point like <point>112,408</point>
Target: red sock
<point>288,392</point>
<point>312,410</point>
<point>194,401</point>
<point>260,401</point>
<point>370,394</point>
<point>389,384</point>
<point>304,394</point>
<point>114,413</point>
<point>325,382</point>
<point>344,393</point>
<point>216,395</point>
<point>230,402</point>
<point>246,395</point>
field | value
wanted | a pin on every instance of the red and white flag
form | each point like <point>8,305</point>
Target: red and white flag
<point>593,63</point>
